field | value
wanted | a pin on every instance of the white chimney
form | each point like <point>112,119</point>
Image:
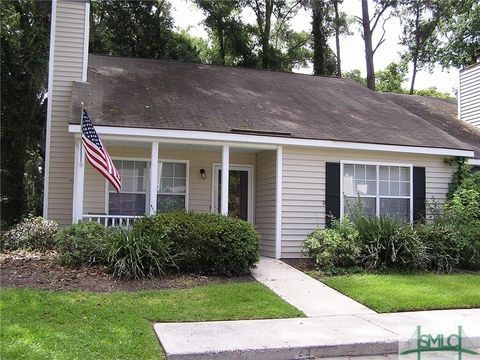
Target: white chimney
<point>469,93</point>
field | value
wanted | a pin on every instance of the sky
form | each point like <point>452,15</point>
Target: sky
<point>186,15</point>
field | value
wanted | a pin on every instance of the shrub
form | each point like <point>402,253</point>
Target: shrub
<point>135,255</point>
<point>389,243</point>
<point>33,233</point>
<point>334,249</point>
<point>209,244</point>
<point>84,243</point>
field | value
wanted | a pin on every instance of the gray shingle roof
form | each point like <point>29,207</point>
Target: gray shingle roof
<point>130,92</point>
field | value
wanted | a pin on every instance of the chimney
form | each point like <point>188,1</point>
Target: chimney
<point>469,92</point>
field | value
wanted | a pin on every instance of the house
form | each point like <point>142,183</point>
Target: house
<point>276,149</point>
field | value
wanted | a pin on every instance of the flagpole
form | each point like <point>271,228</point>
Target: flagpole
<point>81,133</point>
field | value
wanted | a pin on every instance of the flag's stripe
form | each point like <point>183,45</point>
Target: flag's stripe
<point>97,159</point>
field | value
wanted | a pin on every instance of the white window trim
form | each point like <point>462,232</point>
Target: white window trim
<point>251,174</point>
<point>147,160</point>
<point>377,196</point>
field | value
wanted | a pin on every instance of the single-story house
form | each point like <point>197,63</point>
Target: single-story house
<point>280,150</point>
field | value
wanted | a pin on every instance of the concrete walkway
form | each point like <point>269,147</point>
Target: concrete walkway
<point>305,293</point>
<point>336,326</point>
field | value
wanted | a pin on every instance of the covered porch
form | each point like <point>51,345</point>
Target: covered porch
<point>164,174</point>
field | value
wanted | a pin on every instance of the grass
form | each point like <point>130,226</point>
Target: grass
<point>39,324</point>
<point>409,292</point>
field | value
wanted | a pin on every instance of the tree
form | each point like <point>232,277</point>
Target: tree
<point>459,26</point>
<point>369,25</point>
<point>391,78</point>
<point>419,25</point>
<point>282,11</point>
<point>24,65</point>
<point>137,28</point>
<point>322,28</point>
<point>231,37</point>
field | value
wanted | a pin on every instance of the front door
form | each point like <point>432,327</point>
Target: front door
<point>239,191</point>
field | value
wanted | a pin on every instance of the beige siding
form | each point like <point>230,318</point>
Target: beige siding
<point>470,95</point>
<point>67,67</point>
<point>304,187</point>
<point>200,190</point>
<point>265,201</point>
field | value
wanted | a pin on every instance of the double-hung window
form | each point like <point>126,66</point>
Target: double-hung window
<point>134,197</point>
<point>172,186</point>
<point>132,200</point>
<point>378,189</point>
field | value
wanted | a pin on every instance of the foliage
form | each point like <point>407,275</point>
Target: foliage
<point>32,233</point>
<point>392,292</point>
<point>432,92</point>
<point>135,255</point>
<point>355,75</point>
<point>391,78</point>
<point>390,243</point>
<point>118,325</point>
<point>145,31</point>
<point>335,248</point>
<point>85,243</point>
<point>25,29</point>
<point>459,27</point>
<point>206,243</point>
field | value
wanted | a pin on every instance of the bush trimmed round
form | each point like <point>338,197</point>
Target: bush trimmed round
<point>209,244</point>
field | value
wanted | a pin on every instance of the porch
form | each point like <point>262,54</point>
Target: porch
<point>168,175</point>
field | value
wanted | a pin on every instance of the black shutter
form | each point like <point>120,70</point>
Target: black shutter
<point>418,194</point>
<point>332,192</point>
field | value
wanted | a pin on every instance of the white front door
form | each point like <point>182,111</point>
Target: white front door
<point>239,191</point>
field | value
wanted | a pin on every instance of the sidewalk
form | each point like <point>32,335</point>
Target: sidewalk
<point>336,326</point>
<point>305,293</point>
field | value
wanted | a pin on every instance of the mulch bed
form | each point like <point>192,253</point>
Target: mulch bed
<point>42,271</point>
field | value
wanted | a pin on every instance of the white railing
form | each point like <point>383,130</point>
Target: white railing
<point>111,220</point>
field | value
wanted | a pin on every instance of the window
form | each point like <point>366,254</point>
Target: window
<point>135,183</point>
<point>377,189</point>
<point>172,186</point>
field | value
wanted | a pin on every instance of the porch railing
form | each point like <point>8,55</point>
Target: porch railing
<point>111,220</point>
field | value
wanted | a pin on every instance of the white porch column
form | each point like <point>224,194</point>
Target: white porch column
<point>153,178</point>
<point>278,204</point>
<point>78,181</point>
<point>225,173</point>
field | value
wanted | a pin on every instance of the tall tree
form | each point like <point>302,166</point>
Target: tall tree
<point>137,28</point>
<point>419,22</point>
<point>24,66</point>
<point>369,24</point>
<point>232,38</point>
<point>264,10</point>
<point>459,25</point>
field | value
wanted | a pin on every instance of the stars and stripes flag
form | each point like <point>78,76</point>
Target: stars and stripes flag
<point>97,154</point>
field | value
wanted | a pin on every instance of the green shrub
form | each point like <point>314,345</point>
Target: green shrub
<point>389,243</point>
<point>32,233</point>
<point>209,244</point>
<point>84,243</point>
<point>334,249</point>
<point>136,255</point>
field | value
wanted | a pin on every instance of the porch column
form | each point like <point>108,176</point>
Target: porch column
<point>225,173</point>
<point>153,178</point>
<point>278,203</point>
<point>78,181</point>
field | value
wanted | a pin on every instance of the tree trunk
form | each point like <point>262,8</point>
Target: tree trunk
<point>417,48</point>
<point>318,39</point>
<point>221,42</point>
<point>367,36</point>
<point>266,34</point>
<point>337,38</point>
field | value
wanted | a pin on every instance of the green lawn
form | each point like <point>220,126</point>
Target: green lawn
<point>83,325</point>
<point>404,292</point>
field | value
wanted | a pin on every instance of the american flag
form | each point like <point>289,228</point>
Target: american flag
<point>97,154</point>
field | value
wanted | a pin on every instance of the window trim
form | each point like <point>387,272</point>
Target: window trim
<point>148,160</point>
<point>377,196</point>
